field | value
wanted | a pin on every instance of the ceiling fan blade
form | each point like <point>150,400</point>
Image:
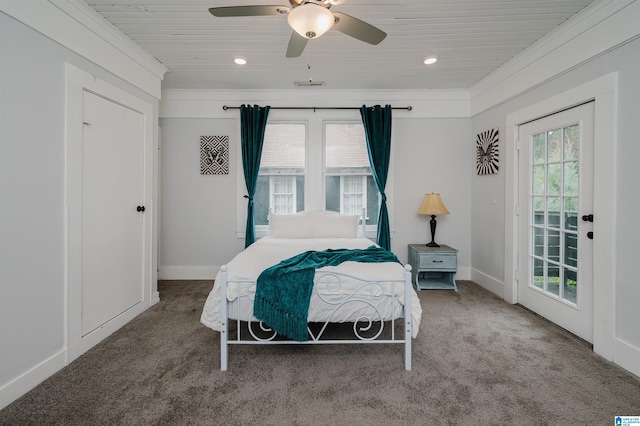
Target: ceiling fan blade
<point>356,28</point>
<point>297,44</point>
<point>227,11</point>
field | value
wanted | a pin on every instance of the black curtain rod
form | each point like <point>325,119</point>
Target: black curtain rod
<point>225,107</point>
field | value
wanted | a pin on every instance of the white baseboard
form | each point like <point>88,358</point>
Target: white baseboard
<point>488,282</point>
<point>155,298</point>
<point>81,344</point>
<point>28,380</point>
<point>197,272</point>
<point>626,356</point>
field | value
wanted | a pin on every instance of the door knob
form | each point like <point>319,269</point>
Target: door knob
<point>587,218</point>
<point>590,235</point>
<point>140,208</point>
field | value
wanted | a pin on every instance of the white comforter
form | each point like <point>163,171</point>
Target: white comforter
<point>268,251</point>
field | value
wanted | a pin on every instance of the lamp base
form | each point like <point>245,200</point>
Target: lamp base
<point>433,224</point>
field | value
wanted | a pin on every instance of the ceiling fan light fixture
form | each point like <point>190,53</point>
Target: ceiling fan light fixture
<point>310,20</point>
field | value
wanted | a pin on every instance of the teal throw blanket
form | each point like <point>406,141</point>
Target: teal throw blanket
<point>283,291</point>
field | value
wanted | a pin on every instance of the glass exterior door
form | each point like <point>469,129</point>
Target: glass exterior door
<point>556,190</point>
<point>554,209</point>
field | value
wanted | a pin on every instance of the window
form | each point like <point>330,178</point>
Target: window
<point>313,163</point>
<point>283,194</point>
<point>349,183</point>
<point>353,193</point>
<point>280,186</point>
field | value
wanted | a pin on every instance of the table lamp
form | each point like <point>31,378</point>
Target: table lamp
<point>432,205</point>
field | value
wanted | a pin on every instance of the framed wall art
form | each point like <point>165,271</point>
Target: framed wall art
<point>487,152</point>
<point>214,155</point>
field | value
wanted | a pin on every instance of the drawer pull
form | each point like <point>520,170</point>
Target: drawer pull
<point>437,261</point>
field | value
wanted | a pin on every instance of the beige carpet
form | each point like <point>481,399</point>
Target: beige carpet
<point>476,361</point>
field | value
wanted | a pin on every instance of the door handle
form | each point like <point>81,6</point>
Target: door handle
<point>587,218</point>
<point>590,235</point>
<point>140,208</point>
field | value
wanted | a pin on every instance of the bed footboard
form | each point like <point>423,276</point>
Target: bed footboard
<point>372,307</point>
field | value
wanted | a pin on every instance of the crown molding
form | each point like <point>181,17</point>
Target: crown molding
<point>192,103</point>
<point>97,24</point>
<point>76,26</point>
<point>600,27</point>
<point>320,94</point>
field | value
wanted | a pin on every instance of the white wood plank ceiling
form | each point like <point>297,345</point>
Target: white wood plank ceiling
<point>470,37</point>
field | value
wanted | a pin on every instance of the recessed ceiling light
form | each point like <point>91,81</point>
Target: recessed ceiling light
<point>430,60</point>
<point>240,61</point>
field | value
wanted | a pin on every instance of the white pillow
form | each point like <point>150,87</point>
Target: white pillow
<point>314,224</point>
<point>341,226</point>
<point>290,226</point>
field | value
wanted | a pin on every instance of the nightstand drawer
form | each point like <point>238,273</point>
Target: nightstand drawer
<point>433,268</point>
<point>438,261</point>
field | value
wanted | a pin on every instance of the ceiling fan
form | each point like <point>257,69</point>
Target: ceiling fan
<point>309,19</point>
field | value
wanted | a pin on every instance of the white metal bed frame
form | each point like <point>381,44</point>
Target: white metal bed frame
<point>331,280</point>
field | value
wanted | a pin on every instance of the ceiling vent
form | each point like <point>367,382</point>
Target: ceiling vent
<point>309,83</point>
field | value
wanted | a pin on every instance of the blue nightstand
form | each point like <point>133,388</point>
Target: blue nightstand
<point>433,268</point>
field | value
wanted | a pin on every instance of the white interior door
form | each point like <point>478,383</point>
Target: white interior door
<point>555,251</point>
<point>112,226</point>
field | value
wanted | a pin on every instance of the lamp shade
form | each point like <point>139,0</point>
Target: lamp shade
<point>433,205</point>
<point>310,20</point>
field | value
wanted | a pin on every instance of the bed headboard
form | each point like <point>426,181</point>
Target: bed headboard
<point>315,224</point>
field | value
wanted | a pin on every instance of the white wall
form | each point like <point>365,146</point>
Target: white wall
<point>33,278</point>
<point>198,211</point>
<point>32,194</point>
<point>431,152</point>
<point>433,155</point>
<point>487,220</point>
<point>627,294</point>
